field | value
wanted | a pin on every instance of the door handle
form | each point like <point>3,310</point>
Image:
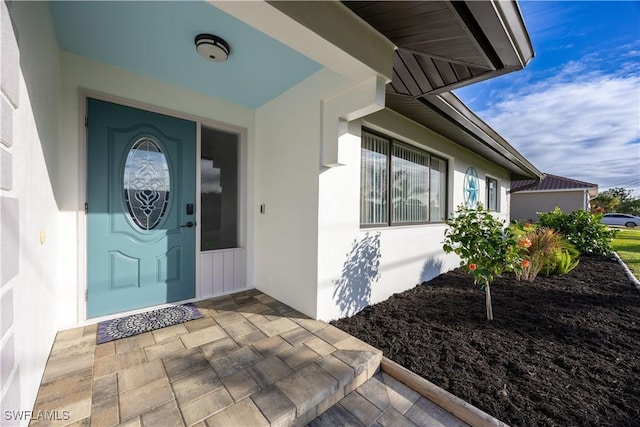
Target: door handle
<point>188,224</point>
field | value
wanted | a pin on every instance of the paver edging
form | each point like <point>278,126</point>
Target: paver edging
<point>627,271</point>
<point>447,401</point>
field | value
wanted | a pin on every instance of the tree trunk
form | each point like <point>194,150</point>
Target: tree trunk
<point>488,302</point>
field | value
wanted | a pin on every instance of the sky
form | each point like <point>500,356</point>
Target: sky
<point>574,110</point>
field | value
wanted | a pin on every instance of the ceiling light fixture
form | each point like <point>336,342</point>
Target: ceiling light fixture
<point>212,47</point>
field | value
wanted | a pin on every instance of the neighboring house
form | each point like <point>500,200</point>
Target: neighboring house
<point>528,197</point>
<point>316,164</point>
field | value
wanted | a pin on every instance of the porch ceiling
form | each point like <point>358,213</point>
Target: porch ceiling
<point>156,39</point>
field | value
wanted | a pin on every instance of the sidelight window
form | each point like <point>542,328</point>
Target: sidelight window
<point>219,190</point>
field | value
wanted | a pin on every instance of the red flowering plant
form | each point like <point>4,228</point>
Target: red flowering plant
<point>540,248</point>
<point>486,247</point>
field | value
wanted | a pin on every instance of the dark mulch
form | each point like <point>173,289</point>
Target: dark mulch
<point>561,351</point>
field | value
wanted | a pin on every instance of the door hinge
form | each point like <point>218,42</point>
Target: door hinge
<point>86,208</point>
<point>86,120</point>
<point>86,295</point>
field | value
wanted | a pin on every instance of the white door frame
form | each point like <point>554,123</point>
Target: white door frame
<point>81,219</point>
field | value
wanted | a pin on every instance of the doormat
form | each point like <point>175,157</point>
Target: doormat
<point>140,323</point>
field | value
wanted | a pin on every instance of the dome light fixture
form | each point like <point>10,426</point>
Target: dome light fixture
<point>212,47</point>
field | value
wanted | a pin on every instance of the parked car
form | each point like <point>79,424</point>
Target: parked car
<point>620,219</point>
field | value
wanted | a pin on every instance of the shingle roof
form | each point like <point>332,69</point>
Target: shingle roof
<point>550,182</point>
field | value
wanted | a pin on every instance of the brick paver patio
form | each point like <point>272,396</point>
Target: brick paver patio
<point>250,361</point>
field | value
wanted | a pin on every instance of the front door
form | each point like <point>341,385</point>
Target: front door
<point>140,208</point>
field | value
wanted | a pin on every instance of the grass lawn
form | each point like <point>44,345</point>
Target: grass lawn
<point>627,245</point>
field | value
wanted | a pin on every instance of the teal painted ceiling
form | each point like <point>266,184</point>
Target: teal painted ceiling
<point>156,39</point>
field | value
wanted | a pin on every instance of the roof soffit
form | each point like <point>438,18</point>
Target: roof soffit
<point>346,32</point>
<point>443,45</point>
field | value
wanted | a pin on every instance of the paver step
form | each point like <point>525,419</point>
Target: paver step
<point>250,360</point>
<point>303,368</point>
<point>310,389</point>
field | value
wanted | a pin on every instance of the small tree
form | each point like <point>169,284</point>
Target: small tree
<point>605,202</point>
<point>616,199</point>
<point>630,206</point>
<point>620,193</point>
<point>486,247</point>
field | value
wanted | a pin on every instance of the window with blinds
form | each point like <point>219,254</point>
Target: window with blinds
<point>374,180</point>
<point>438,190</point>
<point>492,194</point>
<point>400,184</point>
<point>410,185</point>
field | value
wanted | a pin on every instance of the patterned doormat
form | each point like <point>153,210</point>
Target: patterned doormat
<point>135,324</point>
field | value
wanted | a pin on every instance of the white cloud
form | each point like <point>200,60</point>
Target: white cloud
<point>580,123</point>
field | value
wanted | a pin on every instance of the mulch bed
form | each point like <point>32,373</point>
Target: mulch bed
<point>561,351</point>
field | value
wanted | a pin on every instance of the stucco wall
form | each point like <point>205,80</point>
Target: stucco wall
<point>31,296</point>
<point>358,266</point>
<point>525,205</point>
<point>288,131</point>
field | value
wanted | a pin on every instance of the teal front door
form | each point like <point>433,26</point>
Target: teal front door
<point>141,173</point>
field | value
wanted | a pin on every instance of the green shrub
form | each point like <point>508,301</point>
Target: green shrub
<point>582,229</point>
<point>563,263</point>
<point>563,260</point>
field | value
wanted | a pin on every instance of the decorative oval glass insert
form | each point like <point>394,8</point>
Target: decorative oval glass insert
<point>146,183</point>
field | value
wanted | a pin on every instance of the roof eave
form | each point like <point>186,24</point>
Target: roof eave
<point>504,28</point>
<point>491,40</point>
<point>552,183</point>
<point>454,109</point>
<point>557,190</point>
